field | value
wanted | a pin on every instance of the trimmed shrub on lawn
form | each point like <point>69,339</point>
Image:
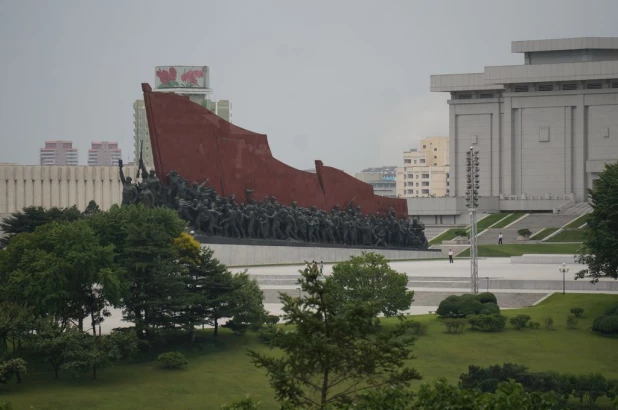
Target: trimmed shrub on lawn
<point>468,304</point>
<point>577,311</point>
<point>549,323</point>
<point>606,324</point>
<point>487,323</point>
<point>418,328</point>
<point>454,326</point>
<point>524,232</point>
<point>612,311</point>
<point>571,322</point>
<point>520,321</point>
<point>534,325</point>
<point>172,360</point>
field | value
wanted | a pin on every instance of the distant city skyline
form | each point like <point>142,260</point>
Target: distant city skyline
<point>318,78</point>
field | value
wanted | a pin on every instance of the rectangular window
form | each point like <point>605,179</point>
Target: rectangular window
<point>417,184</point>
<point>422,161</point>
<point>545,87</point>
<point>464,97</point>
<point>486,95</point>
<point>425,191</point>
<point>594,86</point>
<point>424,146</point>
<point>435,149</point>
<point>425,183</point>
<point>569,86</point>
<point>435,157</point>
<point>435,164</point>
<point>521,88</point>
<point>425,176</point>
<point>407,161</point>
<point>415,161</point>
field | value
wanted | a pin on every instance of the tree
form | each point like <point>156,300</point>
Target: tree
<point>32,217</point>
<point>143,240</point>
<point>333,352</point>
<point>16,323</point>
<point>61,270</point>
<point>601,235</point>
<point>369,278</point>
<point>247,301</point>
<point>12,367</point>
<point>54,343</point>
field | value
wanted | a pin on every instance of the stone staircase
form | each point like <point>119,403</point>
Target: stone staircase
<point>575,208</point>
<point>490,236</point>
<point>536,222</point>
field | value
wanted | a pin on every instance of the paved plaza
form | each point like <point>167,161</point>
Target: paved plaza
<point>515,285</point>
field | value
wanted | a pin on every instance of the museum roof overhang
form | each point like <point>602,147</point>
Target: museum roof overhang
<point>494,77</point>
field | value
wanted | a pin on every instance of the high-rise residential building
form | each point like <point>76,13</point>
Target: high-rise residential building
<point>141,137</point>
<point>188,81</point>
<point>425,171</point>
<point>383,180</point>
<point>104,153</point>
<point>58,153</point>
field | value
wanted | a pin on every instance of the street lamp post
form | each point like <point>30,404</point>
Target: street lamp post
<point>472,202</point>
<point>487,279</point>
<point>564,270</point>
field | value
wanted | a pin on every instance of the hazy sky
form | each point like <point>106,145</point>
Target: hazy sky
<point>346,82</point>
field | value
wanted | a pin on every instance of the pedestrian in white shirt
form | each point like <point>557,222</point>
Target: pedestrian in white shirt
<point>450,256</point>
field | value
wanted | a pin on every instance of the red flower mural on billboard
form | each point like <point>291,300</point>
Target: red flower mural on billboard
<point>189,78</point>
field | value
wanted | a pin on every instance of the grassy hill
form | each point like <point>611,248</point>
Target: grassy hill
<point>219,372</point>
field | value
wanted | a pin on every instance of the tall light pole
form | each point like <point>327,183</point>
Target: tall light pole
<point>472,202</point>
<point>564,270</point>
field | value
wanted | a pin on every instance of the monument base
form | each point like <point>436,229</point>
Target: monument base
<point>235,254</point>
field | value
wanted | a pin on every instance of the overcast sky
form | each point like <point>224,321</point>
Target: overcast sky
<point>346,82</point>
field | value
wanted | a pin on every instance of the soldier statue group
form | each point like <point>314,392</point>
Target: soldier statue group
<point>212,215</point>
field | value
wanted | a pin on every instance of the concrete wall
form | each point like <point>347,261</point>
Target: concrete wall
<point>246,255</point>
<point>60,186</point>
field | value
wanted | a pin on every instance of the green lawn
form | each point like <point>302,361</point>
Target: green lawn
<point>508,220</point>
<point>521,249</point>
<point>221,372</point>
<point>446,236</point>
<point>570,235</point>
<point>544,234</point>
<point>578,222</point>
<point>489,221</point>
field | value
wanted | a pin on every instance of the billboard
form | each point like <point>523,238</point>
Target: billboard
<point>181,77</point>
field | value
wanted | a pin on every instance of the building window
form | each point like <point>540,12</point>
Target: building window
<point>594,86</point>
<point>425,191</point>
<point>435,164</point>
<point>417,176</point>
<point>425,183</point>
<point>425,176</point>
<point>407,161</point>
<point>435,157</point>
<point>422,161</point>
<point>569,86</point>
<point>545,87</point>
<point>417,184</point>
<point>486,95</point>
<point>463,97</point>
<point>424,146</point>
<point>435,149</point>
<point>521,88</point>
<point>415,161</point>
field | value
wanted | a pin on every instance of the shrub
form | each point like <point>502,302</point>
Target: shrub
<point>468,304</point>
<point>418,328</point>
<point>571,322</point>
<point>520,321</point>
<point>487,323</point>
<point>454,326</point>
<point>578,312</point>
<point>487,297</point>
<point>524,232</point>
<point>606,324</point>
<point>534,325</point>
<point>549,323</point>
<point>462,233</point>
<point>612,311</point>
<point>172,360</point>
<point>271,320</point>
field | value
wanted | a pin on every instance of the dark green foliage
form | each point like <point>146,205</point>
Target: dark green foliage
<point>418,328</point>
<point>487,297</point>
<point>611,311</point>
<point>534,325</point>
<point>468,304</point>
<point>334,352</point>
<point>12,368</point>
<point>598,250</point>
<point>61,270</point>
<point>462,233</point>
<point>524,232</point>
<point>520,321</point>
<point>369,278</point>
<point>32,217</point>
<point>590,387</point>
<point>606,324</point>
<point>172,360</point>
<point>549,323</point>
<point>578,312</point>
<point>487,323</point>
<point>571,322</point>
<point>454,325</point>
<point>245,404</point>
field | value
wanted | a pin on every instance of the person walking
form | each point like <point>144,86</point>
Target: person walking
<point>500,239</point>
<point>450,256</point>
<point>321,267</point>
